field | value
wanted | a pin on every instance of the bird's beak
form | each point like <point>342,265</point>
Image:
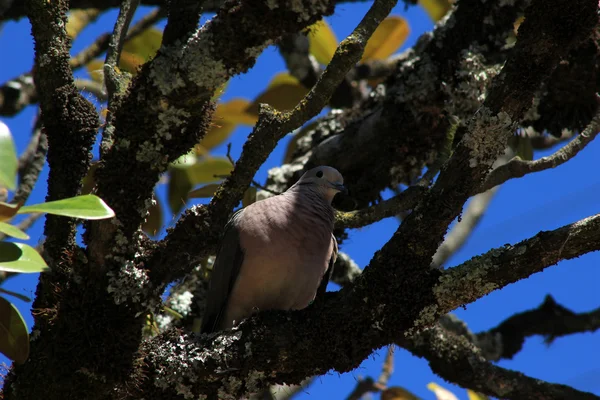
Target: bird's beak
<point>339,187</point>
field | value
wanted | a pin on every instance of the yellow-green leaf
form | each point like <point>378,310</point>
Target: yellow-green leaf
<point>322,41</point>
<point>204,192</point>
<point>87,206</point>
<point>154,219</point>
<point>13,231</point>
<point>436,9</point>
<point>130,62</point>
<point>226,117</point>
<point>476,396</point>
<point>283,78</point>
<point>135,53</point>
<point>387,39</point>
<point>14,339</point>
<point>249,196</point>
<point>8,158</point>
<point>19,257</point>
<point>179,186</point>
<point>397,393</point>
<point>172,313</point>
<point>209,170</point>
<point>7,211</point>
<point>144,45</point>
<point>440,392</point>
<point>95,69</point>
<point>282,97</point>
<point>79,19</point>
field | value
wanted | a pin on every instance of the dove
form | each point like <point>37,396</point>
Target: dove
<point>275,254</point>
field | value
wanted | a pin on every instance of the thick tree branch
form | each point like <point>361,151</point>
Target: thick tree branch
<point>509,264</point>
<point>457,360</point>
<point>70,121</point>
<point>183,20</point>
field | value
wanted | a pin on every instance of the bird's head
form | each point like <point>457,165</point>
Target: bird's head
<point>326,180</point>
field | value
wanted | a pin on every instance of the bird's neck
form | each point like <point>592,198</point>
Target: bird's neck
<point>312,200</point>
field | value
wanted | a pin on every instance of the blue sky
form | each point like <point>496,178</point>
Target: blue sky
<point>520,209</point>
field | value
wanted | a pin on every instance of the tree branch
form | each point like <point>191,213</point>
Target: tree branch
<point>17,10</point>
<point>31,163</point>
<point>550,320</point>
<point>518,168</point>
<point>182,21</point>
<point>385,209</point>
<point>457,360</point>
<point>70,121</point>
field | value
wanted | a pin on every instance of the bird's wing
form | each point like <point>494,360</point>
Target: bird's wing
<point>225,271</point>
<point>325,280</point>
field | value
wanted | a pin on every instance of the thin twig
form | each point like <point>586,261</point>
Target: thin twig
<point>368,385</point>
<point>517,167</point>
<point>31,163</point>
<point>385,209</point>
<point>115,46</point>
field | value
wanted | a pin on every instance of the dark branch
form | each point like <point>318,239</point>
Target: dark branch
<point>550,320</point>
<point>517,167</point>
<point>70,121</point>
<point>17,10</point>
<point>457,360</point>
<point>183,20</point>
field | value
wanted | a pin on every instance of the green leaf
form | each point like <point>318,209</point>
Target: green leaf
<point>8,158</point>
<point>19,257</point>
<point>322,41</point>
<point>204,192</point>
<point>13,231</point>
<point>387,39</point>
<point>14,339</point>
<point>172,313</point>
<point>88,206</point>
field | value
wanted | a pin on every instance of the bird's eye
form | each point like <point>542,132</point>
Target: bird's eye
<point>319,174</point>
